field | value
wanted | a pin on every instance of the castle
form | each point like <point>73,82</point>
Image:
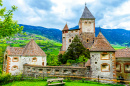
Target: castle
<point>104,61</point>
<point>102,55</point>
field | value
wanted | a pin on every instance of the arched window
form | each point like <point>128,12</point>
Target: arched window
<point>34,59</point>
<point>15,67</point>
<point>105,56</point>
<point>87,40</point>
<point>69,40</point>
<point>15,59</point>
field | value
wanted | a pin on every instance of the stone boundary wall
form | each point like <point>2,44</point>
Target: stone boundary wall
<point>44,71</point>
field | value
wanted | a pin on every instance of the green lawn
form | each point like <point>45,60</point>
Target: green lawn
<point>117,47</point>
<point>44,83</point>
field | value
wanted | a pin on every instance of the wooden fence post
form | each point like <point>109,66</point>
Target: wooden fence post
<point>98,78</point>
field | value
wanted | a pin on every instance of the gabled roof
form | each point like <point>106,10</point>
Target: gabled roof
<point>122,53</point>
<point>31,49</point>
<point>87,14</point>
<point>66,27</point>
<point>101,44</point>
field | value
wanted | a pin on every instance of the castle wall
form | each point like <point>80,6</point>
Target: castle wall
<point>35,70</point>
<point>97,64</point>
<point>121,73</point>
<point>68,36</point>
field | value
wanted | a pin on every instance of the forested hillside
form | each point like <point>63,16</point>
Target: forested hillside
<point>114,36</point>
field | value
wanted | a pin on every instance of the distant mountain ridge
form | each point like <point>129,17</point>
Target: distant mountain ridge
<point>51,33</point>
<point>114,36</point>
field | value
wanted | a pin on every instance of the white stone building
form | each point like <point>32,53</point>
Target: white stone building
<point>15,57</point>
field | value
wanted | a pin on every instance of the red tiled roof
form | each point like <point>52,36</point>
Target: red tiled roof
<point>101,44</point>
<point>31,49</point>
<point>87,63</point>
<point>122,53</point>
<point>66,27</point>
<point>15,50</point>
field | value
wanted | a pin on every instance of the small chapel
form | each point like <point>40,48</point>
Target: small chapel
<point>16,57</point>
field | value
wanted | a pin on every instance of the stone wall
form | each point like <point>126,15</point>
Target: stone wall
<point>35,70</point>
<point>121,73</point>
<point>96,65</point>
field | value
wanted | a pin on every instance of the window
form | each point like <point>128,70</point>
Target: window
<point>15,59</point>
<point>65,71</point>
<point>56,71</point>
<point>93,40</point>
<point>48,70</point>
<point>76,30</point>
<point>95,62</point>
<point>118,67</point>
<point>105,67</point>
<point>72,37</point>
<point>87,40</point>
<point>69,40</point>
<point>89,22</point>
<point>40,70</point>
<point>74,71</point>
<point>66,31</point>
<point>34,59</point>
<point>105,56</point>
<point>15,67</point>
<point>33,70</point>
<point>127,67</point>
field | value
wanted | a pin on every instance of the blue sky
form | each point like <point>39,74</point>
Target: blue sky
<point>109,14</point>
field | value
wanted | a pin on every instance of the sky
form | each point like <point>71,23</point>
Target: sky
<point>109,14</point>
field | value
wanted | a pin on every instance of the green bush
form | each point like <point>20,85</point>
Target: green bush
<point>17,77</point>
<point>4,78</point>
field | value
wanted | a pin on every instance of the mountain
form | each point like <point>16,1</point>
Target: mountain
<point>114,36</point>
<point>51,33</point>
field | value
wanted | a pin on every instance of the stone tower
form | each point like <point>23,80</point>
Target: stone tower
<point>87,28</point>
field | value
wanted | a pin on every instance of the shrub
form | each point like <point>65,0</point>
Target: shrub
<point>4,78</point>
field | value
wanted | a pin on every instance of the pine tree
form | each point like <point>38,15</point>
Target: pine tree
<point>75,50</point>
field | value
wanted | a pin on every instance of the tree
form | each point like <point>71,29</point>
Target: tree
<point>52,60</point>
<point>8,27</point>
<point>75,50</point>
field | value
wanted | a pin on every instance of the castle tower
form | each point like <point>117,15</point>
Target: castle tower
<point>87,21</point>
<point>64,32</point>
<point>87,28</point>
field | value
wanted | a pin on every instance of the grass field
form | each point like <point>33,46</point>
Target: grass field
<point>44,83</point>
<point>117,47</point>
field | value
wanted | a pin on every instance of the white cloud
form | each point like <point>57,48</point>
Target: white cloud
<point>117,17</point>
<point>61,11</point>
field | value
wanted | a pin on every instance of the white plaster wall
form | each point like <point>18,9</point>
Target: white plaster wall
<point>24,60</point>
<point>96,68</point>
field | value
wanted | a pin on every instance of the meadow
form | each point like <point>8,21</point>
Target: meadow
<point>44,83</point>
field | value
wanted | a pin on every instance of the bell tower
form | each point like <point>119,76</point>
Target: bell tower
<point>87,28</point>
<point>87,21</point>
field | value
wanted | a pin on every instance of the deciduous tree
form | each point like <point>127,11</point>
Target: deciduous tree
<point>8,27</point>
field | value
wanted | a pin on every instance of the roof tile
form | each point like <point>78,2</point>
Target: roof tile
<point>101,44</point>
